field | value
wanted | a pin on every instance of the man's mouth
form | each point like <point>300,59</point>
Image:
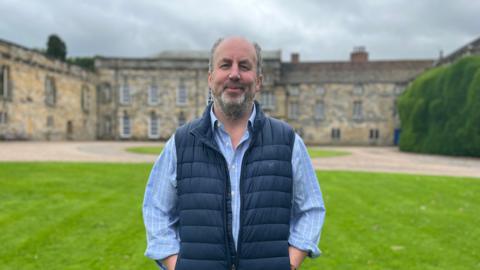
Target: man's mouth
<point>234,87</point>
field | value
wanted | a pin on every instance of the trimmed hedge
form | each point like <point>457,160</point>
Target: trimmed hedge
<point>440,110</point>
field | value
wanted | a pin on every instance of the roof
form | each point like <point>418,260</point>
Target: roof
<point>349,72</point>
<point>205,55</point>
<point>470,48</point>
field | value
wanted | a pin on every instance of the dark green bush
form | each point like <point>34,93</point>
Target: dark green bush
<point>440,110</point>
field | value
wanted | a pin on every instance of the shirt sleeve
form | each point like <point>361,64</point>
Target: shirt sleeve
<point>308,209</point>
<point>160,214</point>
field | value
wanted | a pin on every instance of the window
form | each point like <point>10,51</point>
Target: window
<point>69,130</point>
<point>398,89</point>
<point>3,118</point>
<point>85,99</point>
<point>374,134</point>
<point>153,98</point>
<point>182,94</point>
<point>357,110</point>
<point>105,93</point>
<point>336,135</point>
<point>293,110</point>
<point>395,108</point>
<point>209,96</point>
<point>267,99</point>
<point>319,110</point>
<point>181,119</point>
<point>153,127</point>
<point>293,90</point>
<point>50,91</point>
<point>124,94</point>
<point>107,125</point>
<point>50,121</point>
<point>125,127</point>
<point>320,91</point>
<point>267,79</point>
<point>358,89</point>
<point>4,93</point>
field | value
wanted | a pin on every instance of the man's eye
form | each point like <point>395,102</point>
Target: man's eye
<point>224,65</point>
<point>245,67</point>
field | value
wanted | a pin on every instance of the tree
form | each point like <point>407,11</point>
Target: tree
<point>56,48</point>
<point>440,111</point>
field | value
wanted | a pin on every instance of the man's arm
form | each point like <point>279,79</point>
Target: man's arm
<point>296,257</point>
<point>160,208</point>
<point>308,209</point>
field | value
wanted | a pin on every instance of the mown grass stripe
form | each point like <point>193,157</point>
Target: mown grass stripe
<point>374,220</point>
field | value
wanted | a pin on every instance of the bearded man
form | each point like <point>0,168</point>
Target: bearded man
<point>234,189</point>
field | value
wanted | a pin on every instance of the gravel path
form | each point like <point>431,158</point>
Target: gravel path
<point>376,159</point>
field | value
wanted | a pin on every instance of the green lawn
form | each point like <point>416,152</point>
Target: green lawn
<point>313,152</point>
<point>320,153</point>
<point>150,150</point>
<point>88,216</point>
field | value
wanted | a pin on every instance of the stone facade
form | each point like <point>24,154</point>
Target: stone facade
<point>44,99</point>
<point>344,103</point>
<point>152,97</point>
<point>329,103</point>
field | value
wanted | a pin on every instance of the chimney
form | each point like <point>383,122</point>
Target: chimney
<point>359,55</point>
<point>295,58</point>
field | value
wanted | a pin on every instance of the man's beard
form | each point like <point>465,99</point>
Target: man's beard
<point>235,108</point>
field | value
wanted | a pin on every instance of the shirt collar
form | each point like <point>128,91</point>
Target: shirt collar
<point>216,123</point>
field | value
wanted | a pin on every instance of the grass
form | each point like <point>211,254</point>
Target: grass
<point>149,150</point>
<point>88,216</point>
<point>319,153</point>
<point>313,152</point>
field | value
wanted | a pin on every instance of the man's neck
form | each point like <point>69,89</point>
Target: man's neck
<point>234,127</point>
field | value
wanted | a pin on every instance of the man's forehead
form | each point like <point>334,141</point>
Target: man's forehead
<point>235,47</point>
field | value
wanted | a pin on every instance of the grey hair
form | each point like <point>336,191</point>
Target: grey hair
<point>258,52</point>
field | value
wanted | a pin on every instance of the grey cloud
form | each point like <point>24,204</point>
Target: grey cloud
<point>318,30</point>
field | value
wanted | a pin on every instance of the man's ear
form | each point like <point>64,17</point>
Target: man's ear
<point>209,80</point>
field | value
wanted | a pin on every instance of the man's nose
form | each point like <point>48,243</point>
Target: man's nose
<point>234,74</point>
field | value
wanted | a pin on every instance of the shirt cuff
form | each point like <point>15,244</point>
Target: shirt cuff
<point>160,252</point>
<point>311,248</point>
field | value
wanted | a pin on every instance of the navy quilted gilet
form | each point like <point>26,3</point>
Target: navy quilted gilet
<point>203,187</point>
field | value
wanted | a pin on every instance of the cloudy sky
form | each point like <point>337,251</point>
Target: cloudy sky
<point>319,30</point>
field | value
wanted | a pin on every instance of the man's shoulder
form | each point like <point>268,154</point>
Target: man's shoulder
<point>182,132</point>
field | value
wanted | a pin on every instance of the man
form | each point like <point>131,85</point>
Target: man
<point>234,189</point>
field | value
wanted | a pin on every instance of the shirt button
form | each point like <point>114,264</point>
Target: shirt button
<point>233,166</point>
<point>233,193</point>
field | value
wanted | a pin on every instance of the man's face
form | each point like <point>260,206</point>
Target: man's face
<point>234,79</point>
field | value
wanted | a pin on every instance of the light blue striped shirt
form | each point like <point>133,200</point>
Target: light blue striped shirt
<point>159,207</point>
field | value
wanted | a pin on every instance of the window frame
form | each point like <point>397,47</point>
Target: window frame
<point>153,119</point>
<point>182,94</point>
<point>125,123</point>
<point>50,91</point>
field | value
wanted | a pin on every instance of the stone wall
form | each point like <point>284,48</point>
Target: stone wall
<point>328,103</point>
<point>28,114</point>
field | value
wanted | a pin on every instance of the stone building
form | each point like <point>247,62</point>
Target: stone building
<point>44,99</point>
<point>148,98</point>
<point>340,103</point>
<point>344,103</point>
